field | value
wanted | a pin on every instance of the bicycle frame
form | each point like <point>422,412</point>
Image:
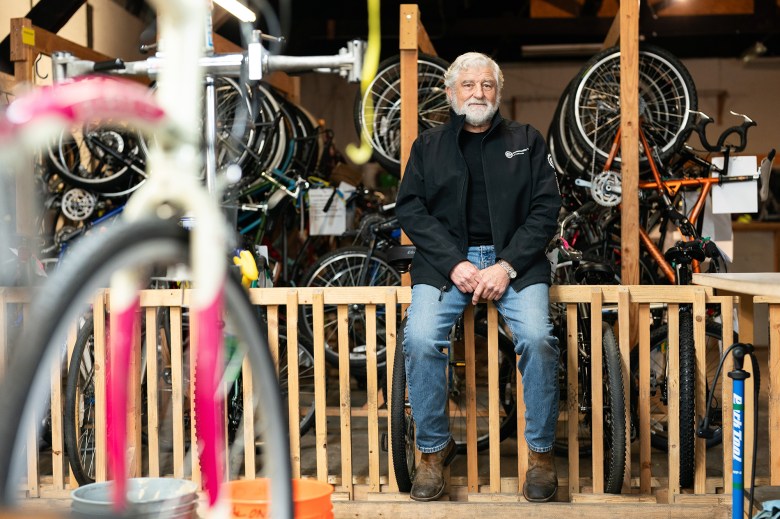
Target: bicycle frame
<point>667,189</point>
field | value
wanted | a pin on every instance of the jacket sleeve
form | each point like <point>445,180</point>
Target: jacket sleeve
<point>425,231</point>
<point>529,241</point>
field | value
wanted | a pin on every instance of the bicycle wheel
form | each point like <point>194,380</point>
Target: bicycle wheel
<point>659,427</point>
<point>305,377</point>
<point>507,382</point>
<point>666,97</point>
<point>343,268</point>
<point>107,159</point>
<point>153,242</point>
<point>383,127</point>
<point>402,421</point>
<point>614,429</point>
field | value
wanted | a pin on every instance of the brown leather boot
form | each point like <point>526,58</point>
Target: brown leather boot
<point>428,479</point>
<point>541,480</point>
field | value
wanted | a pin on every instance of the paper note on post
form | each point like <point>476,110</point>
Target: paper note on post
<point>736,197</point>
<point>336,220</point>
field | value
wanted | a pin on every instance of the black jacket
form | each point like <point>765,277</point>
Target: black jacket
<point>522,191</point>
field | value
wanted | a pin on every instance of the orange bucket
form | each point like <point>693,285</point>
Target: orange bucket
<point>249,498</point>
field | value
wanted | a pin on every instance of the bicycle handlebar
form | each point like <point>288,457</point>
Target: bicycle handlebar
<point>700,127</point>
<point>348,63</point>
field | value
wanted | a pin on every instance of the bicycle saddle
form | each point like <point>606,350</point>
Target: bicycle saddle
<point>400,257</point>
<point>595,273</point>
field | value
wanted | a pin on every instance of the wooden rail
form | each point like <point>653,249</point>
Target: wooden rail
<point>331,445</point>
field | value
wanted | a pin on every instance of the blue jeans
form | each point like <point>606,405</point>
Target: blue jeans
<point>430,318</point>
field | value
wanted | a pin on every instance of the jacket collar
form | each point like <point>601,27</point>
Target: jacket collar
<point>456,121</point>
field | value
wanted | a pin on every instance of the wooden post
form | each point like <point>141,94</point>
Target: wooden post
<point>23,58</point>
<point>629,142</point>
<point>407,36</point>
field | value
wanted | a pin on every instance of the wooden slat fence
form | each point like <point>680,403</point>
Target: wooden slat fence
<point>369,474</point>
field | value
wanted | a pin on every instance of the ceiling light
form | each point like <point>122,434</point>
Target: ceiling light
<point>237,9</point>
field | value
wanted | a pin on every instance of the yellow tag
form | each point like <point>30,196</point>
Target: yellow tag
<point>28,36</point>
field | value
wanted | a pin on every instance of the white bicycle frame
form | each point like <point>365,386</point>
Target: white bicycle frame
<point>173,187</point>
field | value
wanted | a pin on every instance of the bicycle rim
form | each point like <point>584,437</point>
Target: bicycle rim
<point>666,97</point>
<point>98,158</point>
<point>25,387</point>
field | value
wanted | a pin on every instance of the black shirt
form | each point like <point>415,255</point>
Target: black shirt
<point>478,215</point>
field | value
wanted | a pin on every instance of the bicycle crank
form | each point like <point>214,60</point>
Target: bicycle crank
<point>604,188</point>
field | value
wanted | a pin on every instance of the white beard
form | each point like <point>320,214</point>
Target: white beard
<point>476,115</point>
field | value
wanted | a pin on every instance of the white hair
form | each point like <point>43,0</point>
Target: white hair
<point>471,60</point>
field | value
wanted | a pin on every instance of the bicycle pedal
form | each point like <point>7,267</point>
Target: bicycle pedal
<point>383,442</point>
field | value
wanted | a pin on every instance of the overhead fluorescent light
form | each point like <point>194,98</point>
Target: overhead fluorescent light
<point>564,49</point>
<point>237,9</point>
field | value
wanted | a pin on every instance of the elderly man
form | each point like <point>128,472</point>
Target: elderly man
<point>479,200</point>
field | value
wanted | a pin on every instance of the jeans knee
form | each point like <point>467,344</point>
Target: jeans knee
<point>539,343</point>
<point>419,342</point>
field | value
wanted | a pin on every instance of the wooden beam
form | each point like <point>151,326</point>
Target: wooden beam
<point>7,85</point>
<point>453,510</point>
<point>613,35</point>
<point>423,40</point>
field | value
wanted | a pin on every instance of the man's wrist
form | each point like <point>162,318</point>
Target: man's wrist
<point>510,272</point>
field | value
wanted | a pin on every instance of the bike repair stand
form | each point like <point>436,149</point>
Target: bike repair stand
<point>738,375</point>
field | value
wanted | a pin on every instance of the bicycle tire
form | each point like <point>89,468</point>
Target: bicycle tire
<point>568,157</point>
<point>341,268</point>
<point>614,421</point>
<point>402,445</point>
<point>687,397</point>
<point>614,430</point>
<point>658,394</point>
<point>667,95</point>
<point>402,422</point>
<point>78,413</point>
<point>26,385</point>
<point>383,131</point>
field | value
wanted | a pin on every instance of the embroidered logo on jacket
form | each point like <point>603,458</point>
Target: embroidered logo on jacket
<point>510,154</point>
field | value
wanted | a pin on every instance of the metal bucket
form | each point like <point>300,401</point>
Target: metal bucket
<point>146,498</point>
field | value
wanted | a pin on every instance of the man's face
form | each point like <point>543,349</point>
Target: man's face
<point>475,95</point>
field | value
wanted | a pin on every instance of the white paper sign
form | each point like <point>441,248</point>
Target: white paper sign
<point>334,222</point>
<point>736,197</point>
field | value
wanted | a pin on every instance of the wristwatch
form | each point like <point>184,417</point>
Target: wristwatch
<point>509,270</point>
